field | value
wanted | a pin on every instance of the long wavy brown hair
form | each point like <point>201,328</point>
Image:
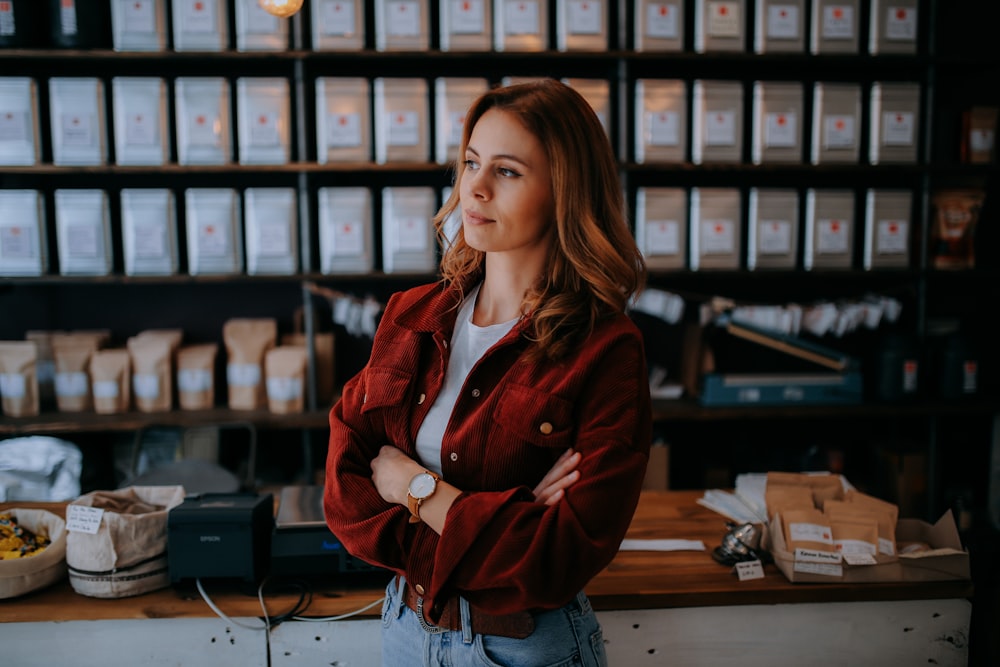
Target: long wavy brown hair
<point>595,266</point>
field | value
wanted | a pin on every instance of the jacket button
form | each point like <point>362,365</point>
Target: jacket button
<point>454,456</point>
<point>419,589</point>
<point>420,399</point>
<point>545,428</point>
<point>475,393</point>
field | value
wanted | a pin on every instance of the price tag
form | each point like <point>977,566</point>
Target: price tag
<point>751,569</point>
<point>83,519</point>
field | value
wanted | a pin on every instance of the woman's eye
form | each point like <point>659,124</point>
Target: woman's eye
<point>504,171</point>
<point>470,164</point>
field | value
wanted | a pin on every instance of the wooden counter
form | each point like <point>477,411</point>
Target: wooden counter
<point>634,580</point>
<point>649,603</point>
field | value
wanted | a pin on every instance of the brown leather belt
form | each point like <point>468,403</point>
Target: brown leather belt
<point>517,625</point>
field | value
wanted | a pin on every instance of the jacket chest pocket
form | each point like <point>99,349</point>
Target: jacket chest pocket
<point>536,417</point>
<point>385,399</point>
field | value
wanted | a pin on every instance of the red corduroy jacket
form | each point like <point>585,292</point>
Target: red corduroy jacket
<point>500,549</point>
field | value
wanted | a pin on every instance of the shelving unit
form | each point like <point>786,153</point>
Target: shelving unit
<point>199,304</point>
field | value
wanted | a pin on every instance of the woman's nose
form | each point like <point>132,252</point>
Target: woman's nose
<point>478,184</point>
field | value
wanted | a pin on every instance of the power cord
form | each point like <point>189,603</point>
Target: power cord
<point>342,616</point>
<point>221,614</point>
<point>303,603</point>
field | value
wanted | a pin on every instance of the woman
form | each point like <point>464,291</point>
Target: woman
<point>492,451</point>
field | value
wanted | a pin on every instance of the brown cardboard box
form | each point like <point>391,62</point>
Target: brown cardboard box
<point>946,560</point>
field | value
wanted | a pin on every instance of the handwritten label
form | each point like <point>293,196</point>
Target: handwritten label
<point>749,570</point>
<point>83,519</point>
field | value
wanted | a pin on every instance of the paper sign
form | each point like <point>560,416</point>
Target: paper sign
<point>749,570</point>
<point>831,237</point>
<point>337,19</point>
<point>898,129</point>
<point>83,519</point>
<point>664,128</point>
<point>521,18</point>
<point>718,237</point>
<point>892,236</point>
<point>720,128</point>
<point>901,24</point>
<point>724,19</point>
<point>663,237</point>
<point>859,559</point>
<point>783,22</point>
<point>775,237</point>
<point>838,22</point>
<point>139,16</point>
<point>584,18</point>
<point>150,240</point>
<point>661,545</point>
<point>348,239</point>
<point>780,130</point>
<point>661,21</point>
<point>838,131</point>
<point>819,568</point>
<point>403,18</point>
<point>196,16</point>
<point>467,17</point>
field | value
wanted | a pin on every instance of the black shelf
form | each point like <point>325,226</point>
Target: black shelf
<point>688,409</point>
<point>684,409</point>
<point>55,423</point>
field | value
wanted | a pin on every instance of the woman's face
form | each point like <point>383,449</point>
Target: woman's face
<point>506,188</point>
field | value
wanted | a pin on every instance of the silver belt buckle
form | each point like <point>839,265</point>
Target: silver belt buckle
<point>433,629</point>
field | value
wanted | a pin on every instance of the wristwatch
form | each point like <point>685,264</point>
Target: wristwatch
<point>422,486</point>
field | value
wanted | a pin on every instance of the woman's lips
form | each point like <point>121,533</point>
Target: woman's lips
<point>476,219</point>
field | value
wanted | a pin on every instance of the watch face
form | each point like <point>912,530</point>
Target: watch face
<point>422,485</point>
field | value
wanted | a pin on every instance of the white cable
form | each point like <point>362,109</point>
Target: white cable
<point>342,616</point>
<point>219,612</point>
<point>263,608</point>
<point>267,623</point>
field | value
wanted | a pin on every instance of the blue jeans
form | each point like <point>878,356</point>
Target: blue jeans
<point>566,637</point>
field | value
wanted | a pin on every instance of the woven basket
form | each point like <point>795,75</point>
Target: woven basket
<point>23,575</point>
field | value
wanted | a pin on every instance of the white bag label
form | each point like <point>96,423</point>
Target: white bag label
<point>83,519</point>
<point>243,375</point>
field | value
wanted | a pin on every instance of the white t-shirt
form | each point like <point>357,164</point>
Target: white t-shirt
<point>468,344</point>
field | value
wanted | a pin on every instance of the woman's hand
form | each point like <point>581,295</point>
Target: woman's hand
<point>562,474</point>
<point>392,471</point>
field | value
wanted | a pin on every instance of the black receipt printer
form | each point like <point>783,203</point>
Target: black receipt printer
<point>303,545</point>
<point>220,535</point>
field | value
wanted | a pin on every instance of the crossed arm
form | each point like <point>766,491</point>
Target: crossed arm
<point>392,470</point>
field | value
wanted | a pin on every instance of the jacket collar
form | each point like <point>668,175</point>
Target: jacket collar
<point>435,308</point>
<point>431,308</point>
